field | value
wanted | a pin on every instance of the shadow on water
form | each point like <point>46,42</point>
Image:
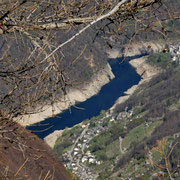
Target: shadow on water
<point>125,77</point>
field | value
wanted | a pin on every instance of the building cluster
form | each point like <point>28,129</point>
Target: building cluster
<point>79,158</point>
<point>125,114</point>
<point>174,50</point>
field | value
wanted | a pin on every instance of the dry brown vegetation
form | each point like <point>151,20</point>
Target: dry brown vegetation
<point>24,156</point>
<point>41,48</point>
<point>41,55</point>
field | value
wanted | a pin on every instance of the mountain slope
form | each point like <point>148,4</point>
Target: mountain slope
<point>126,143</point>
<point>24,156</point>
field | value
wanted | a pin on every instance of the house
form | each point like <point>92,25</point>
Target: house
<point>75,153</point>
<point>79,145</point>
<point>76,149</point>
<point>91,160</point>
<point>84,159</point>
<point>83,126</point>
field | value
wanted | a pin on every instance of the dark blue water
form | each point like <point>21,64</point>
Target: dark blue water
<point>125,77</point>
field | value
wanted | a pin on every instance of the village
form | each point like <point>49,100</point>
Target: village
<point>79,159</point>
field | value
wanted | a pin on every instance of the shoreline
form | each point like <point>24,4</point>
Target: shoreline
<point>79,94</point>
<point>135,49</point>
<point>144,69</point>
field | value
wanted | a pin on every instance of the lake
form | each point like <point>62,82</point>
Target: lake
<point>125,77</point>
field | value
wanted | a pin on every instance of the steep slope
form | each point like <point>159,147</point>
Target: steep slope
<point>24,156</point>
<point>135,139</point>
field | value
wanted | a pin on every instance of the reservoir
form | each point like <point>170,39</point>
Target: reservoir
<point>125,77</point>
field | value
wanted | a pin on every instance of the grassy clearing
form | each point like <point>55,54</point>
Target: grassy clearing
<point>139,133</point>
<point>175,106</point>
<point>112,150</point>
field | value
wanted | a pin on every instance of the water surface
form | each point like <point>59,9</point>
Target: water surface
<point>125,77</point>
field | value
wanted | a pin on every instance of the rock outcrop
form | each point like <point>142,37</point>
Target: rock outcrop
<point>135,49</point>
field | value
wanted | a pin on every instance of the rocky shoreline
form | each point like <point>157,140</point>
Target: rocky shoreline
<point>145,70</point>
<point>74,95</point>
<point>135,49</point>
